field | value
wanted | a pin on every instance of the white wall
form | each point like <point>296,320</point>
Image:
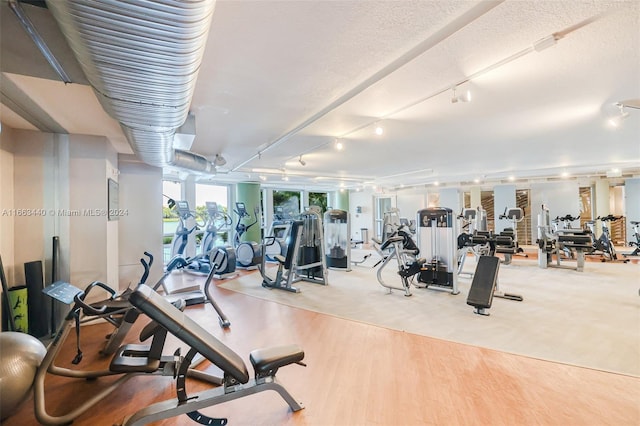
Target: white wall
<point>503,196</point>
<point>364,200</point>
<point>6,204</point>
<point>632,203</point>
<point>451,198</point>
<point>561,198</point>
<point>140,228</point>
<point>409,202</point>
<point>32,170</point>
<point>93,241</point>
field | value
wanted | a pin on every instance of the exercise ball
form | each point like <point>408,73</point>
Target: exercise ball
<point>20,356</point>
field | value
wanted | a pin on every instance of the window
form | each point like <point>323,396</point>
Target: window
<point>318,199</point>
<point>286,203</point>
<point>218,194</point>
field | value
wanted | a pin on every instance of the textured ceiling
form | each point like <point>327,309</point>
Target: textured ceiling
<point>286,78</point>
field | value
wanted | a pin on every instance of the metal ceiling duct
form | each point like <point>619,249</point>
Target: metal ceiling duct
<point>142,59</point>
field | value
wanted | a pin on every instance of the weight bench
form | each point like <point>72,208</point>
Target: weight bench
<point>483,284</point>
<point>236,380</point>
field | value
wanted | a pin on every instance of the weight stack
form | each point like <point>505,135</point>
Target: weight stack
<point>38,308</point>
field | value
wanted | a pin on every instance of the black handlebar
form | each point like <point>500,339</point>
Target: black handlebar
<point>566,218</point>
<point>609,218</point>
<point>146,267</point>
<point>92,310</point>
<point>150,256</point>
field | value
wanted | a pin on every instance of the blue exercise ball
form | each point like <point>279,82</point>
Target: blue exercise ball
<point>20,356</point>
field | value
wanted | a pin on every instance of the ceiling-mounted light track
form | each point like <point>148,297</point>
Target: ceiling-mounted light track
<point>463,97</point>
<point>471,15</point>
<point>28,26</point>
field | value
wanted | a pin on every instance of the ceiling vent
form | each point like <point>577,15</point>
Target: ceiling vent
<point>142,59</point>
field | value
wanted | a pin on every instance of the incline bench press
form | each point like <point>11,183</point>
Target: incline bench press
<point>236,380</point>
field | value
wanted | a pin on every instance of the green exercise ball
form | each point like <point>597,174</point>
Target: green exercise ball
<point>20,356</point>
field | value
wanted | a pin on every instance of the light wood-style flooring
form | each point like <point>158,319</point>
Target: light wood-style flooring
<point>361,374</point>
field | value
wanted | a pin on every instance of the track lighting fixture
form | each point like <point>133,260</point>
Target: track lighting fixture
<point>464,97</point>
<point>616,120</point>
<point>219,161</point>
<point>301,161</point>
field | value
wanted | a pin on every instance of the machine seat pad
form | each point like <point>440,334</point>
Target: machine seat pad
<point>280,258</point>
<point>484,282</point>
<point>270,359</point>
<point>479,239</point>
<point>506,250</point>
<point>118,305</point>
<point>578,246</point>
<point>132,359</point>
<point>575,239</point>
<point>504,240</point>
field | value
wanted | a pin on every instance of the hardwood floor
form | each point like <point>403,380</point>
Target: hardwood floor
<point>360,374</point>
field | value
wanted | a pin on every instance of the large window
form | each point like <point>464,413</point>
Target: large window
<point>318,199</point>
<point>286,204</point>
<point>218,194</point>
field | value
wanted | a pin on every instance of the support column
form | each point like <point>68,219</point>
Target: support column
<point>341,200</point>
<point>249,194</point>
<point>476,197</point>
<point>601,195</point>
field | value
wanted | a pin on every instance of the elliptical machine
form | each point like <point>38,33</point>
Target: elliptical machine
<point>248,253</point>
<point>203,263</point>
<point>186,225</point>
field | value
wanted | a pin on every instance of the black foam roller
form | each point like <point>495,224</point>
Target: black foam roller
<point>37,303</point>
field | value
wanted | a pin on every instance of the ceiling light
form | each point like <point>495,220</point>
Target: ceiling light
<point>263,178</point>
<point>545,43</point>
<point>379,130</point>
<point>339,145</point>
<point>614,173</point>
<point>464,97</point>
<point>301,161</point>
<point>30,28</point>
<point>219,161</point>
<point>267,170</point>
<point>285,178</point>
<point>512,178</point>
<point>621,114</point>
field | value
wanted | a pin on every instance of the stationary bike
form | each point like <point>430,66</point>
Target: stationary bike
<point>248,254</point>
<point>635,243</point>
<point>564,224</point>
<point>603,246</point>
